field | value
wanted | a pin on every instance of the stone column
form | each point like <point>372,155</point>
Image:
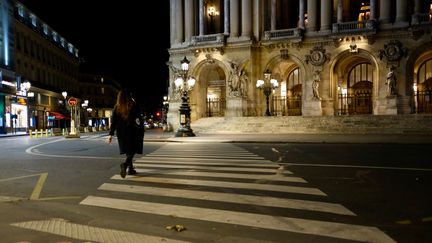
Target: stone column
<point>326,13</point>
<point>179,22</point>
<point>384,12</point>
<point>417,6</point>
<point>273,15</point>
<point>312,15</point>
<point>226,17</point>
<point>234,15</point>
<point>172,21</point>
<point>246,18</point>
<point>201,17</point>
<point>189,23</point>
<point>340,11</point>
<point>257,19</point>
<point>372,10</point>
<point>415,19</point>
<point>301,23</point>
<point>401,11</point>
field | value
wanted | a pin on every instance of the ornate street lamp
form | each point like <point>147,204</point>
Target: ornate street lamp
<point>267,86</point>
<point>84,105</point>
<point>165,108</point>
<point>184,84</point>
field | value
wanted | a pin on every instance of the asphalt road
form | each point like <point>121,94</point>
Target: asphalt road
<point>68,190</point>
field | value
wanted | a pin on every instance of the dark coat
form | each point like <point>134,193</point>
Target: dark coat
<point>130,133</point>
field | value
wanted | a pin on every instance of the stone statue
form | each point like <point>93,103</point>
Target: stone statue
<point>237,81</point>
<point>315,86</point>
<point>243,83</point>
<point>391,82</point>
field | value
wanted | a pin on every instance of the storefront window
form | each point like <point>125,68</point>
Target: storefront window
<point>19,115</point>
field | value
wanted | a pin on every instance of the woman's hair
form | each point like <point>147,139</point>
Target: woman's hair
<point>124,104</point>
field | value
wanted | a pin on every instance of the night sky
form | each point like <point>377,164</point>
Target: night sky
<point>117,38</point>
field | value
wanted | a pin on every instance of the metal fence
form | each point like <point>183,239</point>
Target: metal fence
<point>355,104</point>
<point>423,101</point>
<point>215,107</point>
<point>286,106</point>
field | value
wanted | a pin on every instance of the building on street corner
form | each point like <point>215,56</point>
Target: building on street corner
<point>330,58</point>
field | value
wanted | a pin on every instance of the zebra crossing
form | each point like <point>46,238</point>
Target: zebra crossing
<point>223,183</point>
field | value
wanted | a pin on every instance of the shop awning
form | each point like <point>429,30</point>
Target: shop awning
<point>58,116</point>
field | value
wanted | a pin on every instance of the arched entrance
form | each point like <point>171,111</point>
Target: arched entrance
<point>355,77</point>
<point>423,87</point>
<point>287,98</point>
<point>211,92</point>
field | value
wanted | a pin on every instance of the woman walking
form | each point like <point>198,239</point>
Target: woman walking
<point>128,124</point>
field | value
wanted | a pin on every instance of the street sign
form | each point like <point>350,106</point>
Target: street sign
<point>72,101</point>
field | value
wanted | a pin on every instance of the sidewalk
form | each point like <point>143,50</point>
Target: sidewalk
<point>158,135</point>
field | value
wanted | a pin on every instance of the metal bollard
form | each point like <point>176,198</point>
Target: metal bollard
<point>31,133</point>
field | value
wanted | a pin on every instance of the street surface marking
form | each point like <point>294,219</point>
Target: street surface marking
<point>10,199</point>
<point>89,233</point>
<point>427,219</point>
<point>204,167</point>
<point>34,151</point>
<point>232,198</point>
<point>231,160</point>
<point>201,162</point>
<point>224,184</point>
<point>18,177</point>
<point>149,161</point>
<point>358,166</point>
<point>39,185</point>
<point>206,155</point>
<point>304,226</point>
<point>217,174</point>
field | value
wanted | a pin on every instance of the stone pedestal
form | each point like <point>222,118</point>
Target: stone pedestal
<point>312,108</point>
<point>173,118</point>
<point>235,107</point>
<point>404,104</point>
<point>391,105</point>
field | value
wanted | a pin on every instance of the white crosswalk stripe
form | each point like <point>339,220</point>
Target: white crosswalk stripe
<point>178,172</point>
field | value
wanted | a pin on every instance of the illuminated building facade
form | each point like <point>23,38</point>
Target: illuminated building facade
<point>330,57</point>
<point>37,64</point>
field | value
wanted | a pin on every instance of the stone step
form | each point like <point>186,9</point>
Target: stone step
<point>382,124</point>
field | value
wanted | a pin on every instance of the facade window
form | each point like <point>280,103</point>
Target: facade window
<point>70,48</point>
<point>45,29</point>
<point>364,13</point>
<point>423,88</point>
<point>55,36</point>
<point>18,40</point>
<point>360,72</point>
<point>21,10</point>
<point>33,20</point>
<point>425,71</point>
<point>294,78</point>
<point>62,42</point>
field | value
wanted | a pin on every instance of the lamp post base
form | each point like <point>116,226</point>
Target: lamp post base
<point>184,132</point>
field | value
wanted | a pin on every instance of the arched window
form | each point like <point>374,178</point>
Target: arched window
<point>423,88</point>
<point>294,78</point>
<point>360,72</point>
<point>425,71</point>
<point>357,97</point>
